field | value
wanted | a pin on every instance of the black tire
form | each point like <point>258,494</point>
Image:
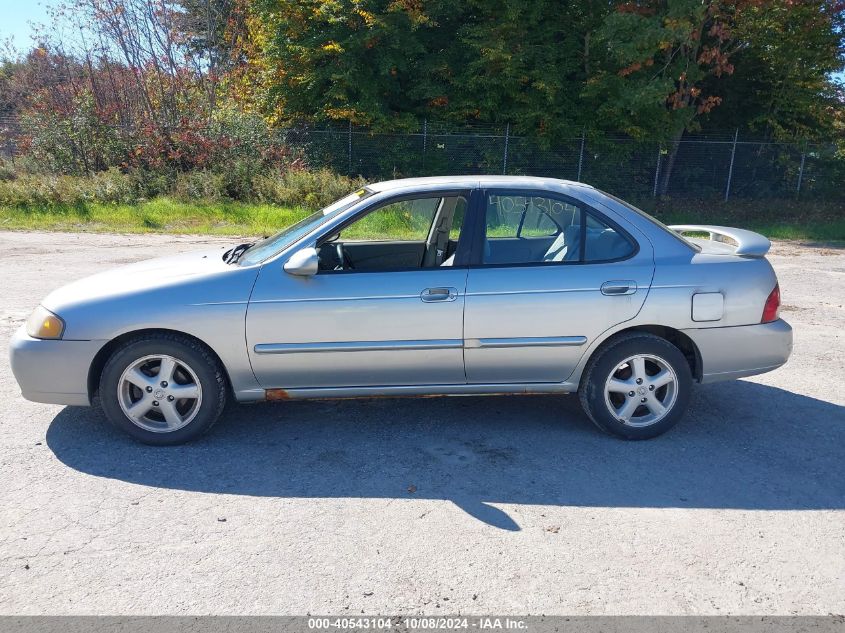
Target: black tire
<point>189,353</point>
<point>606,362</point>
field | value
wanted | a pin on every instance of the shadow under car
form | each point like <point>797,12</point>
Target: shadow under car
<point>742,445</point>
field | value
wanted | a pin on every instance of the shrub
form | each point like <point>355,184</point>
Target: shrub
<point>27,189</point>
<point>78,142</point>
<point>310,189</point>
<point>238,178</point>
<point>112,185</point>
<point>203,185</point>
<point>9,192</point>
<point>7,170</point>
<point>26,164</point>
<point>293,188</point>
<point>151,184</point>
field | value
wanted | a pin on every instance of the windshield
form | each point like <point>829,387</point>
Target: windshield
<point>269,246</point>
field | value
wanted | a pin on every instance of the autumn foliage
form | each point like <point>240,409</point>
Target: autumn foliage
<point>171,86</point>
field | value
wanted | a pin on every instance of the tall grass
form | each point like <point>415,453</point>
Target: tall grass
<point>166,215</point>
<point>163,215</point>
<point>292,188</point>
<point>201,202</point>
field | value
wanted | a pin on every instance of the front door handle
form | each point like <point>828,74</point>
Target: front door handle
<point>430,295</point>
<point>619,287</point>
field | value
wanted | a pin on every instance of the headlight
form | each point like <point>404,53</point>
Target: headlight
<point>44,324</point>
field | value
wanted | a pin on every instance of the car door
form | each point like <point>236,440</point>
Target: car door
<point>382,310</point>
<point>549,276</point>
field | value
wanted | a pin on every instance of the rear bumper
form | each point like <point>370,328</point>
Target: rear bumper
<point>735,352</point>
<point>55,372</point>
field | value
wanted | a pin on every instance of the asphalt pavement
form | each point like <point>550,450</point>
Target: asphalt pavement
<point>438,506</point>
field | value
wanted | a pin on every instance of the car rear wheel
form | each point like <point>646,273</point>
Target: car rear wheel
<point>163,389</point>
<point>636,387</point>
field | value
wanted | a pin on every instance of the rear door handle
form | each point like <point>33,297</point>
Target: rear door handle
<point>430,295</point>
<point>619,287</point>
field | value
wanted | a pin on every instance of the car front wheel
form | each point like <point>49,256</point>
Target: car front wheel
<point>636,387</point>
<point>163,389</point>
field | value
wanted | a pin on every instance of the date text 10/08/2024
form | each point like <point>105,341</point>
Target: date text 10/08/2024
<point>422,623</point>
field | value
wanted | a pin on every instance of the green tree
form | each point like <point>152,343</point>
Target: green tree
<point>341,60</point>
<point>387,63</point>
<point>212,30</point>
<point>525,63</point>
<point>646,68</point>
<point>782,87</point>
<point>658,55</point>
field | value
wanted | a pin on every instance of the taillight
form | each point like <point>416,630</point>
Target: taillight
<point>771,310</point>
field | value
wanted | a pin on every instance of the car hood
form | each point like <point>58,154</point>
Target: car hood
<point>177,272</point>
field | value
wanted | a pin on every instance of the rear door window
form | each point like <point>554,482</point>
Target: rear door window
<point>542,229</point>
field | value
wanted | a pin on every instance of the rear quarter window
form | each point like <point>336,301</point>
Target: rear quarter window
<point>604,243</point>
<point>653,220</point>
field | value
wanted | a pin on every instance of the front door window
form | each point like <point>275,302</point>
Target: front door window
<point>401,235</point>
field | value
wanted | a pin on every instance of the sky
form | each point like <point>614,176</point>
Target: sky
<point>15,16</point>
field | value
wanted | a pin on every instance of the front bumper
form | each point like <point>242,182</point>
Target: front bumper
<point>55,372</point>
<point>735,352</point>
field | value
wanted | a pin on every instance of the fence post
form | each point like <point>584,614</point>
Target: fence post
<point>731,168</point>
<point>657,170</point>
<point>505,158</point>
<point>581,154</point>
<point>349,151</point>
<point>425,139</point>
<point>800,174</point>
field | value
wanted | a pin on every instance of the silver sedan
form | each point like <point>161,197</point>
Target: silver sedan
<point>428,286</point>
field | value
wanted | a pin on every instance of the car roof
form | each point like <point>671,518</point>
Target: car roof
<point>474,181</point>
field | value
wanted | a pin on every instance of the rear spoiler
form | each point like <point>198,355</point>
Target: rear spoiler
<point>748,243</point>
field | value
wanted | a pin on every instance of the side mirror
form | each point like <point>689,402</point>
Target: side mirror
<point>304,263</point>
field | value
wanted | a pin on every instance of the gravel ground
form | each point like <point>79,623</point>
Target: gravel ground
<point>519,504</point>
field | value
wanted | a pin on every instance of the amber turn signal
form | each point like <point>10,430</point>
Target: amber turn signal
<point>44,324</point>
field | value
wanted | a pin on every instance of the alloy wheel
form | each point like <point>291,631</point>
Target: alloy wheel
<point>641,390</point>
<point>159,393</point>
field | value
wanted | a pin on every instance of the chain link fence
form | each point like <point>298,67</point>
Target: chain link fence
<point>705,166</point>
